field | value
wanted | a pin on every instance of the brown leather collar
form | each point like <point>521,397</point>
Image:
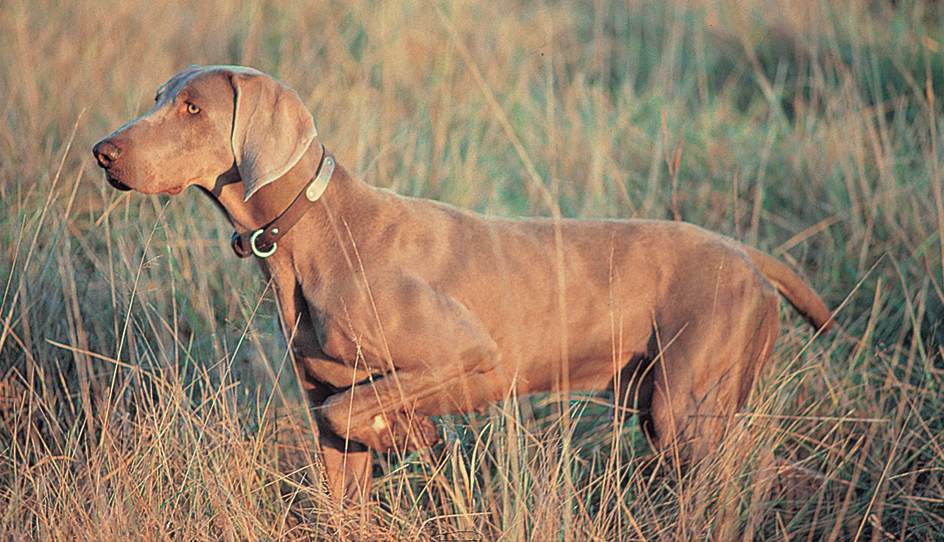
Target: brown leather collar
<point>263,242</point>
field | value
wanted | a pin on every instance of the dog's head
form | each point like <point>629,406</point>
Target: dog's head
<point>208,120</point>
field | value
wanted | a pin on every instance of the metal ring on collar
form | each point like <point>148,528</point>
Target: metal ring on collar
<point>256,251</point>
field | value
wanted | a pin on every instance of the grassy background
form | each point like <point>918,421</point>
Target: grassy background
<point>145,392</point>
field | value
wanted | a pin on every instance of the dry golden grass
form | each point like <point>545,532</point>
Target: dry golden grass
<point>144,390</point>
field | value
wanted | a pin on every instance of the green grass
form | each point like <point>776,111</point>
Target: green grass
<point>145,392</point>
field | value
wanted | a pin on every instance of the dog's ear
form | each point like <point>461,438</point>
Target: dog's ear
<point>272,129</point>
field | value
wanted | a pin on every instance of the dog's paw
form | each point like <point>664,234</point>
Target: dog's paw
<point>389,430</point>
<point>404,432</point>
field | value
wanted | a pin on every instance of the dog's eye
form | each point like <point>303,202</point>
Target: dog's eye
<point>192,109</point>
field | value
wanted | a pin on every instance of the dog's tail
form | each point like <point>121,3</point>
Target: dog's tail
<point>793,288</point>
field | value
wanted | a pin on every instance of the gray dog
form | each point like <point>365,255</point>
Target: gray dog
<point>399,309</point>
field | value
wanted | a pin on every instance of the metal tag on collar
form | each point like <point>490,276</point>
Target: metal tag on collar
<point>318,186</point>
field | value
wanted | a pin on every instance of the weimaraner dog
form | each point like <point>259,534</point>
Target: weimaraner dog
<point>399,309</point>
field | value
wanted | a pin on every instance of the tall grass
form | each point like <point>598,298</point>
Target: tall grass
<point>145,391</point>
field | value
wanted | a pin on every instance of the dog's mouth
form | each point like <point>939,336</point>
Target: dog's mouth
<point>115,183</point>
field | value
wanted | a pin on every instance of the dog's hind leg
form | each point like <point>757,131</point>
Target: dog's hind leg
<point>704,373</point>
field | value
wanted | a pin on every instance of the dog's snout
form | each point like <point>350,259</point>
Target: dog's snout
<point>106,153</point>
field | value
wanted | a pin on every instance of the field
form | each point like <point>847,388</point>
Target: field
<point>145,390</point>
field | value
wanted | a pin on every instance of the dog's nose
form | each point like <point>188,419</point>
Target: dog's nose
<point>106,153</point>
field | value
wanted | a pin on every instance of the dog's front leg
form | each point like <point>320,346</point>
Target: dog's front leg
<point>445,362</point>
<point>393,412</point>
<point>346,464</point>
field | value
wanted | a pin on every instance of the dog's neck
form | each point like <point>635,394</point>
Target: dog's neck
<point>273,199</point>
<point>270,200</point>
